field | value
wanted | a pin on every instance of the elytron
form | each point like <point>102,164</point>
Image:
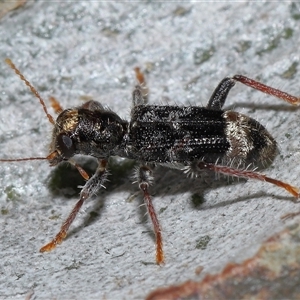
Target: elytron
<point>190,138</point>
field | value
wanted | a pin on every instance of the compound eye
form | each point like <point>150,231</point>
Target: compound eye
<point>65,145</point>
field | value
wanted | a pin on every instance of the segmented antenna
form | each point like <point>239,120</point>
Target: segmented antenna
<point>33,90</point>
<point>22,159</point>
<point>58,109</point>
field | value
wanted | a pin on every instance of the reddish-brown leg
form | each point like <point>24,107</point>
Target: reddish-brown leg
<point>141,92</point>
<point>267,89</point>
<point>56,105</point>
<point>144,177</point>
<point>90,188</point>
<point>248,174</point>
<point>139,75</point>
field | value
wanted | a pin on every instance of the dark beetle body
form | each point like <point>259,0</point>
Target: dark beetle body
<point>191,138</point>
<point>162,135</point>
<point>172,134</point>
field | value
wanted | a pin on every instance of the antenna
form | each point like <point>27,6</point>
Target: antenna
<point>22,159</point>
<point>34,91</point>
<point>58,109</point>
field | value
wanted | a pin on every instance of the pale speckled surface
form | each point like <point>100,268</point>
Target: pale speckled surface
<point>90,49</point>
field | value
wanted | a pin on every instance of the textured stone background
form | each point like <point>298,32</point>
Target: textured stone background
<point>88,50</point>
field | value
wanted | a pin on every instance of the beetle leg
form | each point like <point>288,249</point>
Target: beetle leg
<point>90,188</point>
<point>249,175</point>
<point>144,178</point>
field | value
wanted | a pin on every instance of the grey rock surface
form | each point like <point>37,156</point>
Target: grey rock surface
<point>76,50</point>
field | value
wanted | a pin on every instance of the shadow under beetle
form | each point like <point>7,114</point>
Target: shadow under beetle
<point>190,138</point>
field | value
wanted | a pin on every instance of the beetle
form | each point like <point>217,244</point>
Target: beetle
<point>190,138</point>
